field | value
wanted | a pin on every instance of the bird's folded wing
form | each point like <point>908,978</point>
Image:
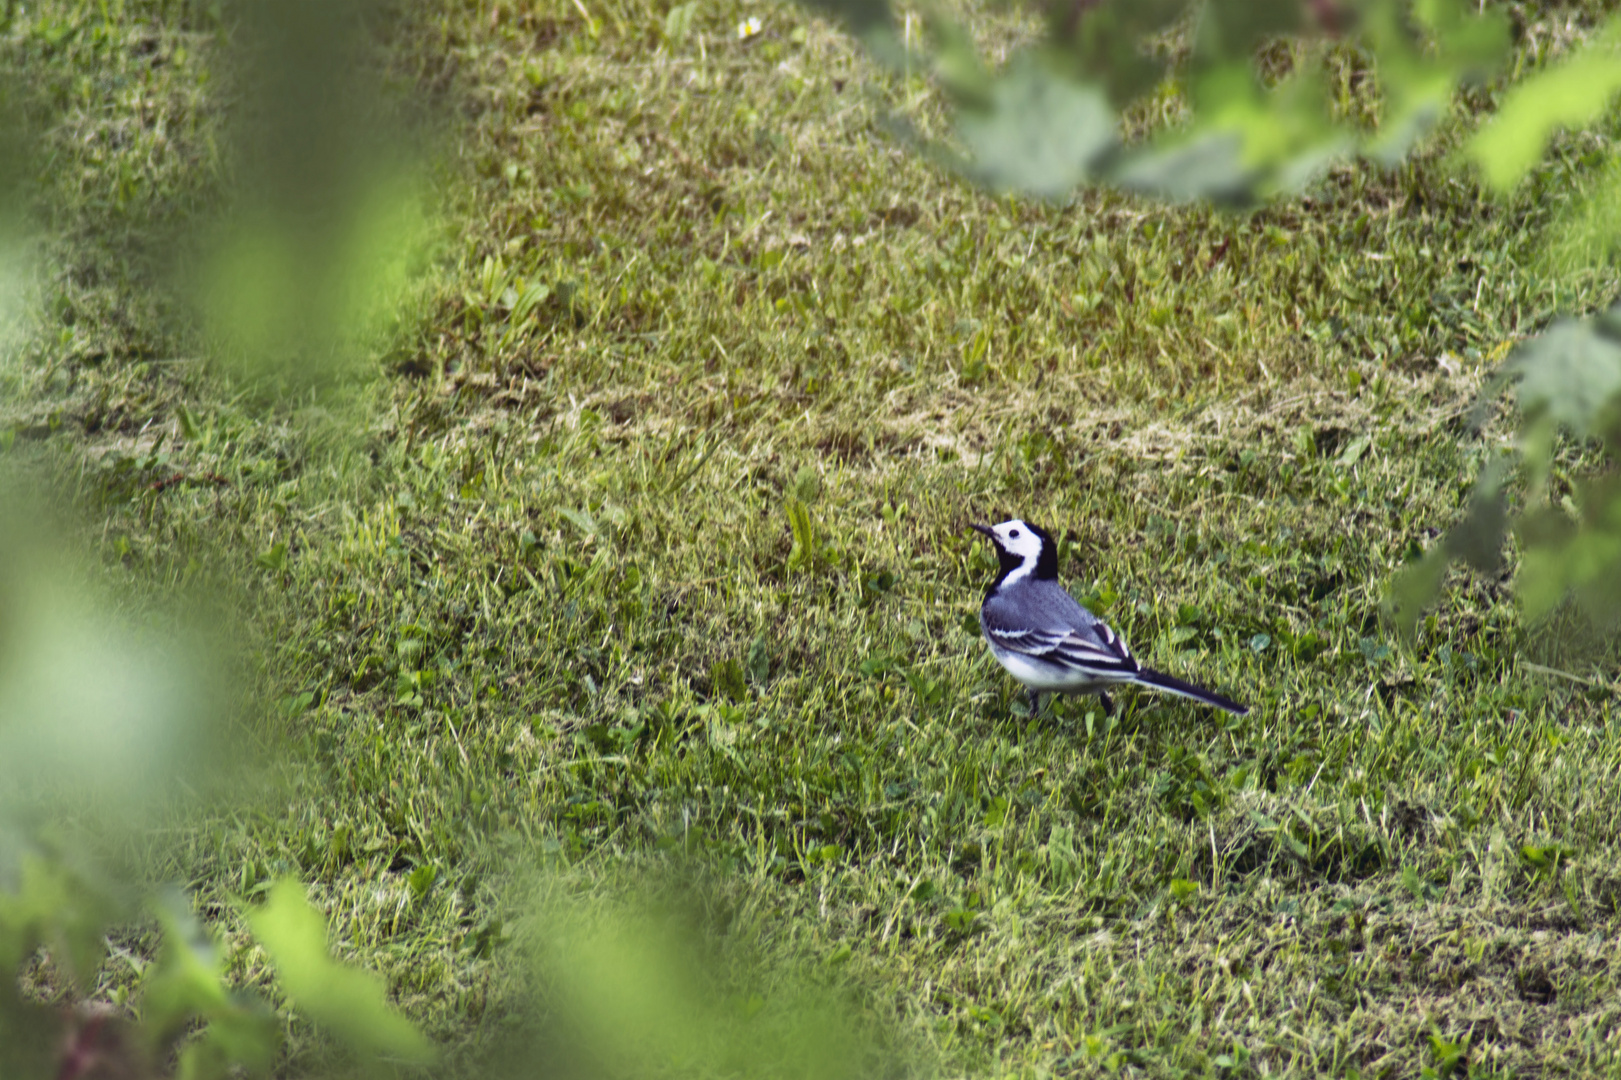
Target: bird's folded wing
<point>1100,650</point>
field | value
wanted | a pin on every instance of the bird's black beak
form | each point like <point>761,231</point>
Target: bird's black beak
<point>986,529</point>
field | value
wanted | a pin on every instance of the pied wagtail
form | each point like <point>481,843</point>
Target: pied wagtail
<point>1047,640</point>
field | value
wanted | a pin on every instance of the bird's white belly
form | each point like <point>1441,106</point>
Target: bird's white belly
<point>1044,677</point>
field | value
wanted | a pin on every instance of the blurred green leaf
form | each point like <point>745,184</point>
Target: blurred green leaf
<point>420,880</point>
<point>1571,373</point>
<point>1208,165</point>
<point>1570,378</point>
<point>188,983</point>
<point>1582,559</point>
<point>1104,43</point>
<point>1230,28</point>
<point>1415,587</point>
<point>1418,78</point>
<point>1573,91</point>
<point>1040,132</point>
<point>93,713</point>
<point>352,1004</point>
<point>1478,539</point>
<point>957,65</point>
<point>45,901</point>
<point>869,20</point>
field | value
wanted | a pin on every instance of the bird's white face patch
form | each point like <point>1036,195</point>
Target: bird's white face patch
<point>1018,539</point>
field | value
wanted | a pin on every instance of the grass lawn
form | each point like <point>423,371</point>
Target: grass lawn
<point>540,614</point>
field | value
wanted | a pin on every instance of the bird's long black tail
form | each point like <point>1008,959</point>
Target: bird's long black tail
<point>1161,681</point>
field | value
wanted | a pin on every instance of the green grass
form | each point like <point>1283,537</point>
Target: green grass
<point>545,610</point>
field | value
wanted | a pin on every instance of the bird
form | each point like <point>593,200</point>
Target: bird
<point>1048,641</point>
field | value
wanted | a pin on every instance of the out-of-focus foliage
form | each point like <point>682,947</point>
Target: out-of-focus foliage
<point>188,985</point>
<point>1051,119</point>
<point>1569,377</point>
<point>93,713</point>
<point>350,1003</point>
<point>1572,93</point>
<point>1569,381</point>
<point>672,981</point>
<point>106,718</point>
<point>98,719</point>
<point>324,212</point>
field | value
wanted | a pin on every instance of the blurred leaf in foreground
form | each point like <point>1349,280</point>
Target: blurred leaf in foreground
<point>96,714</point>
<point>352,1004</point>
<point>1569,381</point>
<point>325,216</point>
<point>1040,132</point>
<point>647,984</point>
<point>1049,120</point>
<point>1571,92</point>
<point>188,984</point>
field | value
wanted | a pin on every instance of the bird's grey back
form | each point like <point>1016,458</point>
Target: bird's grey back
<point>1037,605</point>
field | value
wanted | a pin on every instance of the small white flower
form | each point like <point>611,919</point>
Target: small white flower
<point>748,28</point>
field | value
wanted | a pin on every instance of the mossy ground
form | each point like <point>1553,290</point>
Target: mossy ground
<point>541,607</point>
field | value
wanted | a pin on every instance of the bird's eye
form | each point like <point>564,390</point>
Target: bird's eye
<point>1014,535</point>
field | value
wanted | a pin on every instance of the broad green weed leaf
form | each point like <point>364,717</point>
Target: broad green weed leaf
<point>1572,93</point>
<point>580,519</point>
<point>536,293</point>
<point>421,880</point>
<point>803,552</point>
<point>186,422</point>
<point>876,664</point>
<point>273,559</point>
<point>350,1003</point>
